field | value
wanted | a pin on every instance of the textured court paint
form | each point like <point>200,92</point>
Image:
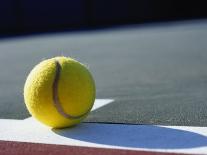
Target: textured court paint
<point>10,148</point>
<point>110,136</point>
<point>56,100</point>
<point>164,83</point>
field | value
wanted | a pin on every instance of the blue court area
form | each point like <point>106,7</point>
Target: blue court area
<point>155,73</point>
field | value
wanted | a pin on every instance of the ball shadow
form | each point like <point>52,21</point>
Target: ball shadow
<point>142,136</point>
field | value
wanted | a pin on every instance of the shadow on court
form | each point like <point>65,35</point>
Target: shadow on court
<point>142,136</point>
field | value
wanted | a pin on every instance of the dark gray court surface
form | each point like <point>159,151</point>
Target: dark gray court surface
<point>156,74</point>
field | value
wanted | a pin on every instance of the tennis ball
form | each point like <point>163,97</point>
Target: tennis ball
<point>59,92</point>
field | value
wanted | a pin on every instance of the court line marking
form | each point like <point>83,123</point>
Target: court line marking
<point>100,103</point>
<point>110,136</point>
<point>114,136</point>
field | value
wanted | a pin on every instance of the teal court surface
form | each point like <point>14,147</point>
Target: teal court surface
<point>151,83</point>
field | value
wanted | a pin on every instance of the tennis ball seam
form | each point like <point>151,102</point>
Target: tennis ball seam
<point>56,100</point>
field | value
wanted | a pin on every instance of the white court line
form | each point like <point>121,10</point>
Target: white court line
<point>178,139</point>
<point>100,103</point>
<point>114,136</point>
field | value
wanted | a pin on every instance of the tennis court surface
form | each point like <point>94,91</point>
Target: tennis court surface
<point>151,83</point>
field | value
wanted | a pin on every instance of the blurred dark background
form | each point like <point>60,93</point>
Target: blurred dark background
<point>31,16</point>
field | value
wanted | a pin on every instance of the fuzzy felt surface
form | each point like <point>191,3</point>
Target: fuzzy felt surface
<point>51,96</point>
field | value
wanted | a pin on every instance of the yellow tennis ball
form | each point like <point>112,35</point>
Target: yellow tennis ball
<point>59,92</point>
